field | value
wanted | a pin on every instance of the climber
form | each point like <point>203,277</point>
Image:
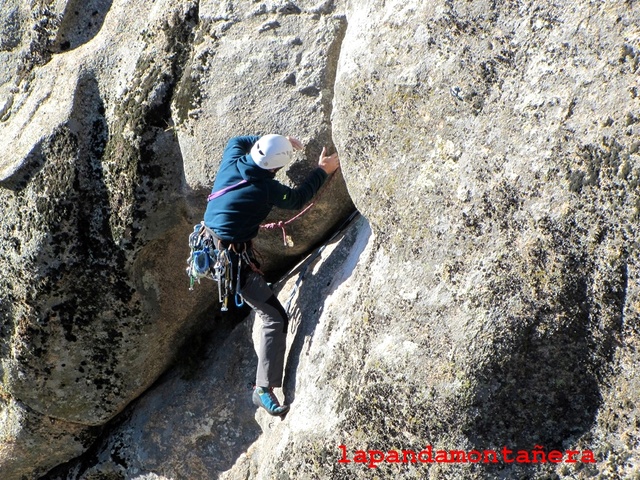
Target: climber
<point>244,192</point>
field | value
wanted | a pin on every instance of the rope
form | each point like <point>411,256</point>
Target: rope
<point>282,224</point>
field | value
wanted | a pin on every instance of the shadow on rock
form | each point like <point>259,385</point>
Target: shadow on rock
<point>311,290</point>
<point>541,385</point>
<point>81,22</point>
<point>197,419</point>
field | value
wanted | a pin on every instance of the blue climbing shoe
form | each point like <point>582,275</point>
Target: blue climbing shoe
<point>265,398</point>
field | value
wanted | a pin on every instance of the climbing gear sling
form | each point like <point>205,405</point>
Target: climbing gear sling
<point>221,192</point>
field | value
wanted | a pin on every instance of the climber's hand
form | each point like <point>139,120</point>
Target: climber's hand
<point>295,143</point>
<point>328,163</point>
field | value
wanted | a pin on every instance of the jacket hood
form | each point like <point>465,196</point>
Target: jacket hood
<point>250,171</point>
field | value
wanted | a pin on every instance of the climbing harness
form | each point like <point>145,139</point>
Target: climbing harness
<point>209,258</point>
<point>225,264</point>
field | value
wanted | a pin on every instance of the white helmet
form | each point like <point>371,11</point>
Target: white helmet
<point>272,151</point>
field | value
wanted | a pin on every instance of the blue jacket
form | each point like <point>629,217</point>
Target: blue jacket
<point>236,216</point>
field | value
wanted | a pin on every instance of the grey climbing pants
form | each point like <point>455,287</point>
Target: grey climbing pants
<point>273,329</point>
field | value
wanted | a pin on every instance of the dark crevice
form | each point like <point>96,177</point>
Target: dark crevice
<point>80,23</point>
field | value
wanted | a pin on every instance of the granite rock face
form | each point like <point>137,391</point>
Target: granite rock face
<point>508,221</point>
<point>98,199</point>
<point>486,298</point>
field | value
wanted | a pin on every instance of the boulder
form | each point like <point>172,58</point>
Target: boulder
<point>493,302</point>
<point>31,444</point>
<point>503,194</point>
<point>486,300</point>
<point>93,240</point>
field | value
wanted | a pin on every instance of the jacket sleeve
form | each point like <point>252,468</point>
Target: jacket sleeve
<point>294,198</point>
<point>239,146</point>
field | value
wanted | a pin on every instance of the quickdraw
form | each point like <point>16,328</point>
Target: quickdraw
<point>199,261</point>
